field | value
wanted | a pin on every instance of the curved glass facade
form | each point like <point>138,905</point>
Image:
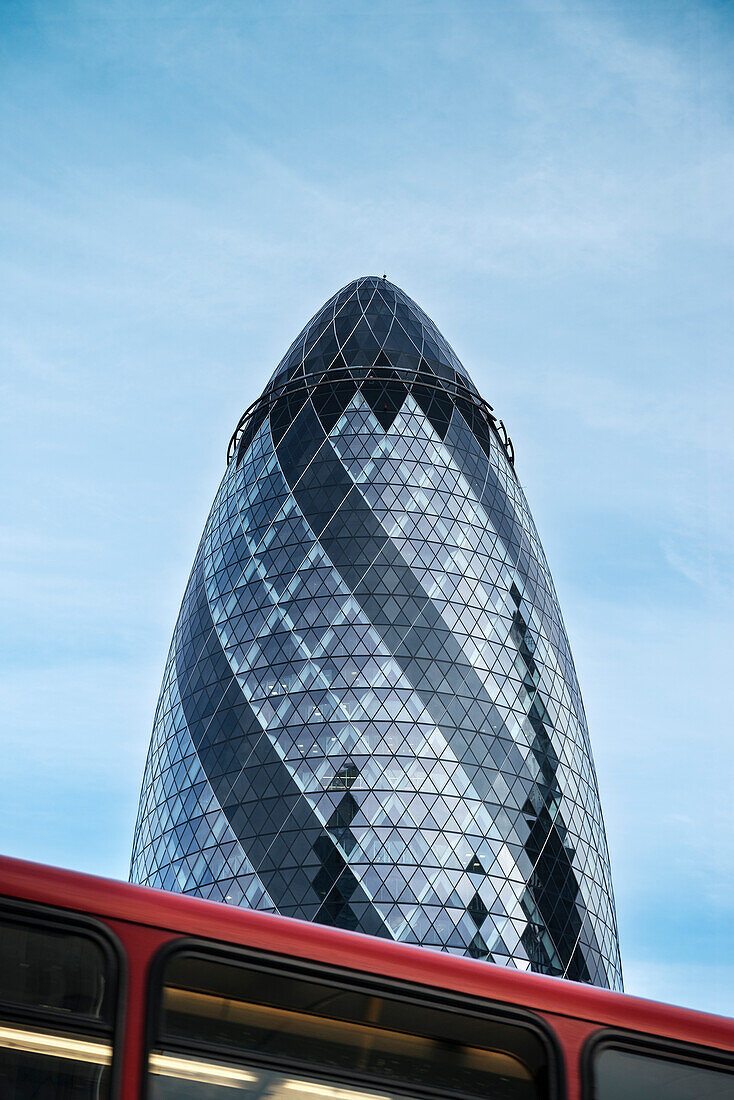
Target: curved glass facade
<point>370,715</point>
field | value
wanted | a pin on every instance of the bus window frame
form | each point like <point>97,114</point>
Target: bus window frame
<point>63,920</point>
<point>647,1044</point>
<point>350,980</point>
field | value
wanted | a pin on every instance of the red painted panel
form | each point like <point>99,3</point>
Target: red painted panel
<point>144,919</point>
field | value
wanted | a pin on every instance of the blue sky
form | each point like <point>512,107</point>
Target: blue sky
<point>183,184</point>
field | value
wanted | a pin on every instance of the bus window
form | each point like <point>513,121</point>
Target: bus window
<point>274,1035</point>
<point>652,1076</point>
<point>56,1012</point>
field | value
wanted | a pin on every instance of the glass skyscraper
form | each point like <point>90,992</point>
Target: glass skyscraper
<point>370,715</point>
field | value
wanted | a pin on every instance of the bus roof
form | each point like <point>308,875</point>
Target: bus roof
<point>194,917</point>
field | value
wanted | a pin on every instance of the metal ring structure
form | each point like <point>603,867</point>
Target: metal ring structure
<point>397,374</point>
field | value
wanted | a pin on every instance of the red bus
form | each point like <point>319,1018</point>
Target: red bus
<point>114,992</point>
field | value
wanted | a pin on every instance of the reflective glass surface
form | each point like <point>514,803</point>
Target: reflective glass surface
<point>52,968</point>
<point>328,1040</point>
<point>42,1065</point>
<point>62,979</point>
<point>370,715</point>
<point>637,1076</point>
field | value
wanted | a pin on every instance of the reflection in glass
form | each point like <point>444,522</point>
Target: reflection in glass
<point>177,1078</point>
<point>634,1076</point>
<point>47,1066</point>
<point>50,968</point>
<point>275,1017</point>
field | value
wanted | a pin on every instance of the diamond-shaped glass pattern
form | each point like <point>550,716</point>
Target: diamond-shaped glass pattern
<point>370,715</point>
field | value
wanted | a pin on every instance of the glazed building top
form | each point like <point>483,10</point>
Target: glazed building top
<point>371,334</point>
<point>367,317</point>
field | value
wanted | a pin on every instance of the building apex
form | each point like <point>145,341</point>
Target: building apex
<point>367,319</point>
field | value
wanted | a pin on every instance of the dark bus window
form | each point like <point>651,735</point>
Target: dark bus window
<point>56,1013</point>
<point>270,1034</point>
<point>46,1065</point>
<point>636,1076</point>
<point>54,969</point>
